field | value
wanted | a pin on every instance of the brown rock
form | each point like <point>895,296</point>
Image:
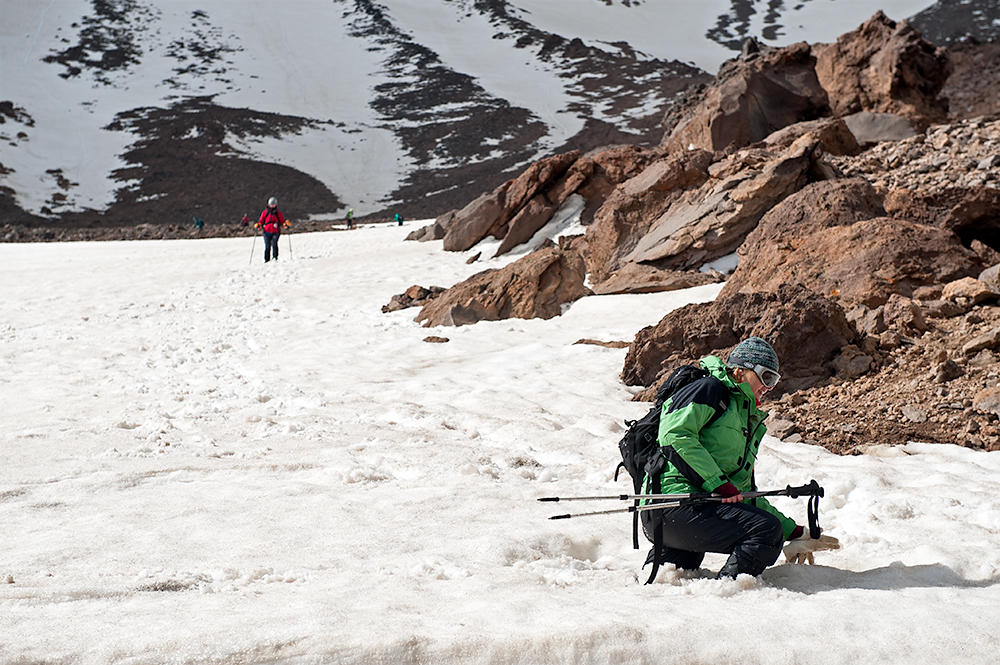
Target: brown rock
<point>627,213</point>
<point>491,213</point>
<point>433,231</point>
<point>904,314</point>
<point>434,339</point>
<point>886,256</point>
<point>806,330</point>
<point>832,135</point>
<point>641,278</point>
<point>780,428</point>
<point>886,67</point>
<point>616,344</point>
<point>868,321</point>
<point>414,296</point>
<point>713,221</point>
<point>991,277</point>
<point>815,207</point>
<point>537,285</point>
<point>851,363</point>
<point>987,400</point>
<point>990,340</point>
<point>750,99</point>
<point>948,370</point>
<point>968,291</point>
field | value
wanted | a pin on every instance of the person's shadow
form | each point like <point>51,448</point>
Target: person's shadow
<point>816,579</point>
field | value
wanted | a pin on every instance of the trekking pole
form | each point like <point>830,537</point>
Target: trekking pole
<point>812,489</point>
<point>630,509</point>
<point>290,255</point>
<point>802,490</point>
<point>253,244</point>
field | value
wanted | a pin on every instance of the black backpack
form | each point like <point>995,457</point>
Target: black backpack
<point>640,451</point>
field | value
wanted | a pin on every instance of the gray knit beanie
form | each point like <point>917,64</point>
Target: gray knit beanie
<point>753,351</point>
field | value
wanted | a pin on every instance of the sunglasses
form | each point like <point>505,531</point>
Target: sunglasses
<point>767,376</point>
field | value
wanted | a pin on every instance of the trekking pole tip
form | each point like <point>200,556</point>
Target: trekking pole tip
<point>560,517</point>
<point>549,498</point>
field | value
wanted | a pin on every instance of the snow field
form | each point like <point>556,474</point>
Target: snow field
<point>209,461</point>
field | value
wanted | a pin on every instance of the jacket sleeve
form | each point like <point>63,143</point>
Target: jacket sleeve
<point>787,523</point>
<point>263,214</point>
<point>683,417</point>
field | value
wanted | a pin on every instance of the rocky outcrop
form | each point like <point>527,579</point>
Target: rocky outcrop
<point>712,221</point>
<point>518,208</point>
<point>491,213</point>
<point>630,209</point>
<point>807,330</point>
<point>802,241</point>
<point>753,96</point>
<point>885,256</point>
<point>886,67</point>
<point>535,286</point>
<point>642,278</point>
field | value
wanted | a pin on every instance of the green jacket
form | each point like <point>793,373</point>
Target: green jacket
<point>703,450</point>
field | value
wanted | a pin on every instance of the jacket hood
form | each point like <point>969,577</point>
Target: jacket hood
<point>717,368</point>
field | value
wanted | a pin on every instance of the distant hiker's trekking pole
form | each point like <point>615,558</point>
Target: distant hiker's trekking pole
<point>253,244</point>
<point>812,490</point>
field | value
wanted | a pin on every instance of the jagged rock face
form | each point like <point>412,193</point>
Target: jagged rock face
<point>864,262</point>
<point>832,134</point>
<point>807,331</point>
<point>641,278</point>
<point>518,208</point>
<point>753,96</point>
<point>884,66</point>
<point>536,286</point>
<point>712,221</point>
<point>491,213</point>
<point>817,206</point>
<point>628,212</point>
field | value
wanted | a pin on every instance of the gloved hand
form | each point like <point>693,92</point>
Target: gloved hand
<point>801,549</point>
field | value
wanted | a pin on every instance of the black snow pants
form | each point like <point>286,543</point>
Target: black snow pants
<point>751,536</point>
<point>270,245</point>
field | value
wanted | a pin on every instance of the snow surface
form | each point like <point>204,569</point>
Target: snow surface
<point>675,29</point>
<point>214,462</point>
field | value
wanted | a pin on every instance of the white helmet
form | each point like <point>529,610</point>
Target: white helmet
<point>272,202</point>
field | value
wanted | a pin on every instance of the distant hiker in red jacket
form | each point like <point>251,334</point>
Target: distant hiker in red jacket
<point>270,223</point>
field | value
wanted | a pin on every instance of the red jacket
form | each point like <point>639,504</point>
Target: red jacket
<point>271,220</point>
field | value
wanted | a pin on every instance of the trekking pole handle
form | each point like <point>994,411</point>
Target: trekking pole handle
<point>810,489</point>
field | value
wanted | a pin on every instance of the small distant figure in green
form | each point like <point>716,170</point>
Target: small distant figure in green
<point>198,222</point>
<point>398,219</point>
<point>350,218</point>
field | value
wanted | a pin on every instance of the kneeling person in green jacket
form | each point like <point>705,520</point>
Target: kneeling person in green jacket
<point>710,432</point>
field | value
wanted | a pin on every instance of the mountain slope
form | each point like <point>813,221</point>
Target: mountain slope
<point>131,111</point>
